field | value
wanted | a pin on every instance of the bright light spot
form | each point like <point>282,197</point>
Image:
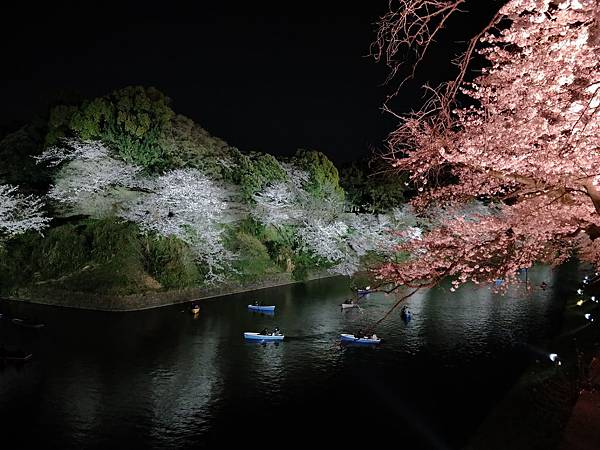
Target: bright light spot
<point>589,317</point>
<point>553,356</point>
<point>579,291</point>
<point>580,302</point>
<point>593,298</point>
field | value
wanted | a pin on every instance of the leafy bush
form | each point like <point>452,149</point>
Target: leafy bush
<point>186,144</point>
<point>65,249</point>
<point>18,265</point>
<point>253,257</point>
<point>132,120</point>
<point>171,262</point>
<point>93,256</point>
<point>324,178</point>
<point>370,190</point>
<point>115,263</point>
<point>304,262</point>
<point>253,171</point>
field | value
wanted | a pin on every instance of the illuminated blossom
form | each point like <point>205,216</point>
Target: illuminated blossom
<point>528,141</point>
<point>19,213</point>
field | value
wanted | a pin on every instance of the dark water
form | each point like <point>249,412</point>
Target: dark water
<point>162,379</point>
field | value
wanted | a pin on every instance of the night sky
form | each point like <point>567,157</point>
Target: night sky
<point>272,78</point>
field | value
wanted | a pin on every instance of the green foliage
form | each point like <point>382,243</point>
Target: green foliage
<point>115,262</point>
<point>113,238</point>
<point>93,256</point>
<point>304,262</point>
<point>282,254</point>
<point>371,190</point>
<point>171,262</point>
<point>58,122</point>
<point>132,120</point>
<point>253,227</point>
<point>254,171</point>
<point>324,178</point>
<point>63,250</point>
<point>186,144</point>
<point>17,261</point>
<point>111,256</point>
<point>253,257</point>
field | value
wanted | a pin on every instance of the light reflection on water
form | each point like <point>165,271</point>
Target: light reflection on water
<point>162,379</point>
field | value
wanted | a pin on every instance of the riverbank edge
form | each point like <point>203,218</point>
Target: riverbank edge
<point>151,299</point>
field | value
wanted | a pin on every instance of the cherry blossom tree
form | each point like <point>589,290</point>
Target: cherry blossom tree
<point>186,204</point>
<point>90,180</point>
<point>322,225</point>
<point>523,136</point>
<point>183,203</point>
<point>19,213</point>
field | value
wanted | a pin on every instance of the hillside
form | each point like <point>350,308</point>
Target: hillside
<point>120,195</point>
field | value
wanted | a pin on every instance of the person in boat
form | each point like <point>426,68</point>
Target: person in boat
<point>264,332</point>
<point>256,303</point>
<point>276,332</point>
<point>374,337</point>
<point>348,301</point>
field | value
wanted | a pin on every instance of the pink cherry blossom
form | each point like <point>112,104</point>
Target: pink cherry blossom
<point>525,139</point>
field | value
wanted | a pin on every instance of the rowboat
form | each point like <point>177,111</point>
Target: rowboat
<point>353,339</point>
<point>349,305</point>
<point>261,308</point>
<point>23,323</point>
<point>263,337</point>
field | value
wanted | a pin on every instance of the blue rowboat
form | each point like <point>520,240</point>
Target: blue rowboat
<point>263,337</point>
<point>355,340</point>
<point>261,308</point>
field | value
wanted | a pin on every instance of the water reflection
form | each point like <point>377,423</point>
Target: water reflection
<point>162,379</point>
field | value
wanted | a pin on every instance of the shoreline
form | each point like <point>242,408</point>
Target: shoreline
<point>151,299</point>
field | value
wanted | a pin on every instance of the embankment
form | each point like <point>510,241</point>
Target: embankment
<point>151,299</point>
